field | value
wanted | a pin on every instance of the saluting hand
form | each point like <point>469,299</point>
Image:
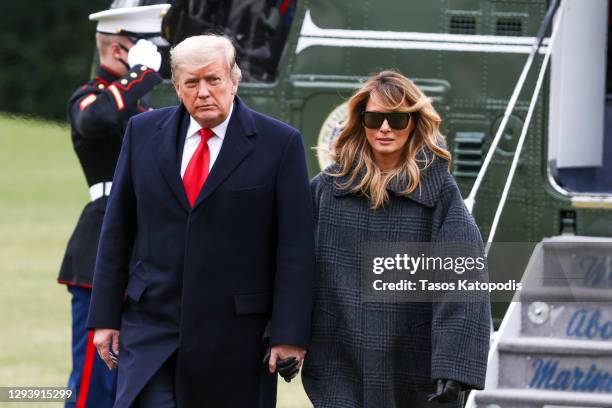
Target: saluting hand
<point>144,52</point>
<point>107,344</point>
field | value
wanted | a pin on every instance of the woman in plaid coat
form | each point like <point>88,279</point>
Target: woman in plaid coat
<point>390,183</point>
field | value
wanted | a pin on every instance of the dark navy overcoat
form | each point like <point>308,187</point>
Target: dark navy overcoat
<point>204,282</point>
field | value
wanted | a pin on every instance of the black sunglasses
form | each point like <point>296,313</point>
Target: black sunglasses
<point>396,120</point>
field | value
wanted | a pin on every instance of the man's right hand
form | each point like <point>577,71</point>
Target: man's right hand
<point>104,340</point>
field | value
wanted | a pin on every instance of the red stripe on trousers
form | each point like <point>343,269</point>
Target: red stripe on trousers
<point>90,353</point>
<point>283,6</point>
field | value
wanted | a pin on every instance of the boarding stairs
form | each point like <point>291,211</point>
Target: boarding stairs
<point>554,346</point>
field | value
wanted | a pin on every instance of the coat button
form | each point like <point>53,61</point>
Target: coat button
<point>143,68</point>
<point>100,86</point>
<point>124,82</point>
<point>133,75</point>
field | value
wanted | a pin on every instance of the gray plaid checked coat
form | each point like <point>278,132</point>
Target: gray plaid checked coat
<point>386,355</point>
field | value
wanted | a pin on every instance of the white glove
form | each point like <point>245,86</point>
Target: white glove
<point>145,53</point>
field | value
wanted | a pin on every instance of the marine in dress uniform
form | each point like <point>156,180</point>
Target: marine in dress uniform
<point>98,112</point>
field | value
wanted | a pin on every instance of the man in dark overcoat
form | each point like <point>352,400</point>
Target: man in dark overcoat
<point>213,197</point>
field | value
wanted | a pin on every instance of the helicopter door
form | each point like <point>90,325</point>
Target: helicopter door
<point>258,28</point>
<point>580,129</point>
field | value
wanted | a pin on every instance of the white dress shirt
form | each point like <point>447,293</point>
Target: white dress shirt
<point>193,138</point>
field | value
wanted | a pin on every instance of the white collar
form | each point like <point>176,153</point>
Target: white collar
<point>219,130</point>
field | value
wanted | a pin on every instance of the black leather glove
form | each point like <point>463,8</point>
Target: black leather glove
<point>285,367</point>
<point>446,391</point>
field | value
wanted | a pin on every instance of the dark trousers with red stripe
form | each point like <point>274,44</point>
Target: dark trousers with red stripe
<point>90,380</point>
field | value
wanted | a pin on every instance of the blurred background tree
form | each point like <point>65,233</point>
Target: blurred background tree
<point>46,51</point>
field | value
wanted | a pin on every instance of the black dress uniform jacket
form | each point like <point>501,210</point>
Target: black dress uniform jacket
<point>98,113</point>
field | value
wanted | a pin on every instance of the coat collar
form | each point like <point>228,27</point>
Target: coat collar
<point>236,146</point>
<point>106,75</point>
<point>427,192</point>
<point>241,119</point>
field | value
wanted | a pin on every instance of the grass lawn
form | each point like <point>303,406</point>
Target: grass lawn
<point>42,192</point>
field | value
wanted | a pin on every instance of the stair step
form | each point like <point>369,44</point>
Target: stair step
<point>512,398</point>
<point>555,364</point>
<point>569,269</point>
<point>578,321</point>
<point>537,292</point>
<point>565,347</point>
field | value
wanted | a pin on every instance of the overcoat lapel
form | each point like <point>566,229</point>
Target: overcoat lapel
<point>234,149</point>
<point>166,139</point>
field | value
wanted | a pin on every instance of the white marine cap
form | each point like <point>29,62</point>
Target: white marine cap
<point>139,22</point>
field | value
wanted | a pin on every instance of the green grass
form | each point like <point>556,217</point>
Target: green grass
<point>42,192</point>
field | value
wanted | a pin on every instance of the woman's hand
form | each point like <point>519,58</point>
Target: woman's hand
<point>446,391</point>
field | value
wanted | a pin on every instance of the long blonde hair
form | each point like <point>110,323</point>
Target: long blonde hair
<point>354,155</point>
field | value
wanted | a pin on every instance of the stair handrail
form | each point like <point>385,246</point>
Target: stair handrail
<point>521,140</point>
<point>471,199</point>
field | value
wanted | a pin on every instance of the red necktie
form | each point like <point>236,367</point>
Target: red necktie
<point>197,169</point>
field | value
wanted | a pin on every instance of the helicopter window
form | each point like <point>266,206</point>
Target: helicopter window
<point>463,25</point>
<point>509,26</point>
<point>258,28</point>
<point>580,128</point>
